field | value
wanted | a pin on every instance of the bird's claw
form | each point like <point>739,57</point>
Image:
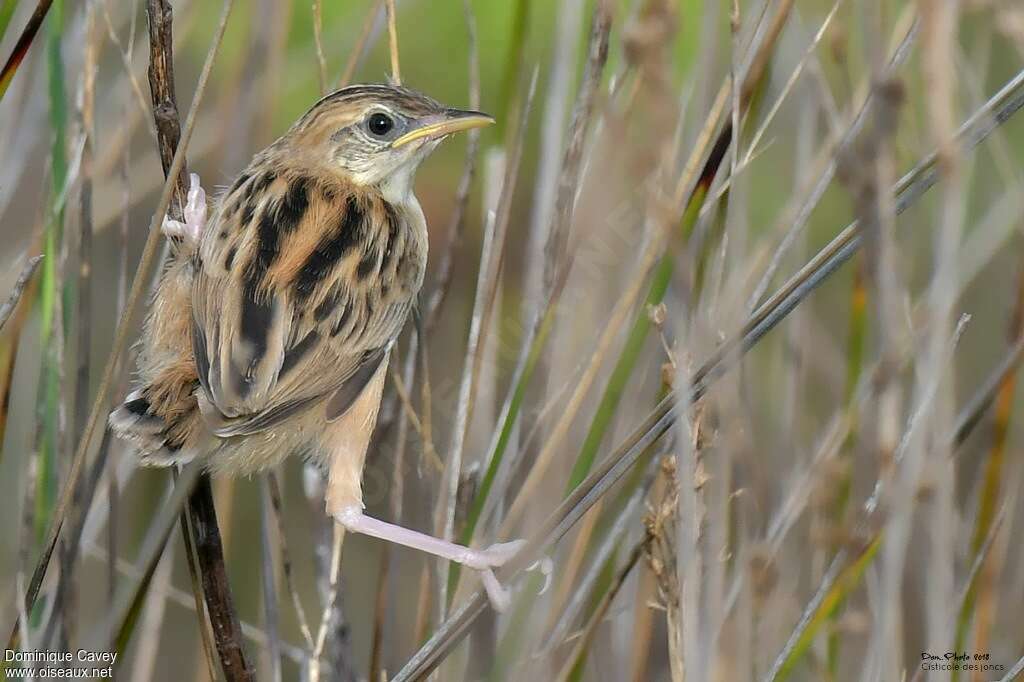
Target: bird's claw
<point>191,230</point>
<point>546,567</point>
<point>485,561</point>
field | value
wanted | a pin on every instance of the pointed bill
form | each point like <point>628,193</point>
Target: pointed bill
<point>451,121</point>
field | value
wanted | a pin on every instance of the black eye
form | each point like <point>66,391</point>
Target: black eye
<point>380,124</point>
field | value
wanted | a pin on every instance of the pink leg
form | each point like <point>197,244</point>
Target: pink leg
<point>191,230</point>
<point>484,560</point>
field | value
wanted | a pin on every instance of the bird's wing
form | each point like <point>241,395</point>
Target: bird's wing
<point>301,287</point>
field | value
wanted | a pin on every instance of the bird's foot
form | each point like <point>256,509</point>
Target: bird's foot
<point>191,230</point>
<point>494,556</point>
<point>482,560</point>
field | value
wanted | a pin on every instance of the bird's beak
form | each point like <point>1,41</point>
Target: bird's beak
<point>438,125</point>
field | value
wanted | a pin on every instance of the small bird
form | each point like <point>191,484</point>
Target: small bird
<point>270,332</point>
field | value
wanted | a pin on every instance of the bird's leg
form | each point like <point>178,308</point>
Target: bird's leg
<point>483,560</point>
<point>192,228</point>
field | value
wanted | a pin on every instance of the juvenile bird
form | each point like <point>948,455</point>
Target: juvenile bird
<point>270,331</point>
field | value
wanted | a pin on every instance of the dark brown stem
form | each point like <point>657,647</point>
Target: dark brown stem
<point>165,104</point>
<point>227,632</point>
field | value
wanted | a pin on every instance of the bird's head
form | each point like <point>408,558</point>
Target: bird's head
<point>377,135</point>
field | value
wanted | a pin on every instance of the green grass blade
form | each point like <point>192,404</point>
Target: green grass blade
<point>49,394</point>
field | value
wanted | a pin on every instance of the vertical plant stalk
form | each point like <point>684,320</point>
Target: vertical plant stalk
<point>564,48</point>
<point>268,583</point>
<point>84,341</point>
<point>395,503</point>
<point>205,636</point>
<point>396,70</point>
<point>165,101</point>
<point>940,38</point>
<point>227,633</point>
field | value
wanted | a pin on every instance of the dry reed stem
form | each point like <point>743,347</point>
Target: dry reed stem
<point>268,584</point>
<point>396,71</point>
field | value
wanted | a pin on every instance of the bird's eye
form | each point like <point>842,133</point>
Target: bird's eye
<point>380,124</point>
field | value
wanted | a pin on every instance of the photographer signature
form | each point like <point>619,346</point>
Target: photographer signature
<point>953,656</point>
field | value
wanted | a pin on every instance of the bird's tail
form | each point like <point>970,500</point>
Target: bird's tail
<point>163,428</point>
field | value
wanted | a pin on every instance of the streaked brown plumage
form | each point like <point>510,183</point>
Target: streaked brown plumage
<point>270,332</point>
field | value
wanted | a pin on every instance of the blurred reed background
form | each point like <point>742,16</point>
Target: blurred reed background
<point>826,502</point>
